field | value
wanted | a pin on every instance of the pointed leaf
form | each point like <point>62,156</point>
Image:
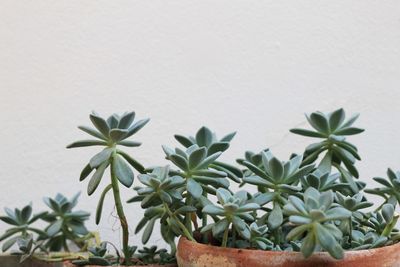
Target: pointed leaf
<point>96,178</point>
<point>84,143</point>
<point>101,202</point>
<point>100,124</point>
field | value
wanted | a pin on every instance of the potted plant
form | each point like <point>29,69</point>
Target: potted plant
<point>111,134</point>
<point>48,246</point>
<point>307,211</point>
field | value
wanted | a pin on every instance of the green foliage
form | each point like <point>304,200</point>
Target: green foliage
<point>207,139</point>
<point>390,189</point>
<point>195,168</point>
<point>152,255</point>
<point>333,129</point>
<point>145,256</point>
<point>259,237</point>
<point>277,180</point>
<point>111,133</point>
<point>312,202</point>
<point>98,256</point>
<point>161,196</point>
<point>314,219</point>
<point>65,224</point>
<point>233,210</point>
<point>22,229</point>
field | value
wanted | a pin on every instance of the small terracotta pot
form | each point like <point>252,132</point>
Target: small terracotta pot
<point>7,260</point>
<point>69,264</point>
<point>191,254</point>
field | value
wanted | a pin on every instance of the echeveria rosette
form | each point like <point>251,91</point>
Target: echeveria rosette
<point>383,221</point>
<point>258,237</point>
<point>233,210</point>
<point>161,197</point>
<point>22,229</point>
<point>277,180</point>
<point>391,187</point>
<point>208,139</point>
<point>194,164</point>
<point>361,240</point>
<point>98,256</point>
<point>314,222</point>
<point>153,255</point>
<point>112,133</point>
<point>65,224</point>
<point>323,181</point>
<point>354,204</point>
<point>333,128</point>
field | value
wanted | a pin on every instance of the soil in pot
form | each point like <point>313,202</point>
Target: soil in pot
<point>191,254</point>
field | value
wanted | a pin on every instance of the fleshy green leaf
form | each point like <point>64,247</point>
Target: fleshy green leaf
<point>134,163</point>
<point>101,157</point>
<point>122,171</point>
<point>83,143</point>
<point>101,202</point>
<point>96,178</point>
<point>196,157</point>
<point>194,188</point>
<point>100,124</point>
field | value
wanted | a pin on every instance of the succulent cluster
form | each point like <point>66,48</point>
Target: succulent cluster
<point>112,133</point>
<point>312,202</point>
<point>64,226</point>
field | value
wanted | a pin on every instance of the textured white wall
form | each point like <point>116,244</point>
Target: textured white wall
<point>250,66</point>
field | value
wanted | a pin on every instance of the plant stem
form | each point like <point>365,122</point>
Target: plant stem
<point>121,214</point>
<point>389,227</point>
<point>188,216</point>
<point>351,229</point>
<point>185,231</point>
<point>225,238</point>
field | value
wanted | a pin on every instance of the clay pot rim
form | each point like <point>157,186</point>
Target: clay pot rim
<point>184,241</point>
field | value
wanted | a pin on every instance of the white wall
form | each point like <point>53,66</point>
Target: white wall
<point>250,66</point>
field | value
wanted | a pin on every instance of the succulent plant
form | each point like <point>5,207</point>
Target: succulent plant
<point>65,224</point>
<point>314,219</point>
<point>259,237</point>
<point>391,187</point>
<point>112,133</point>
<point>44,242</point>
<point>323,181</point>
<point>201,171</point>
<point>21,230</point>
<point>161,196</point>
<point>206,138</point>
<point>333,128</point>
<point>153,255</point>
<point>98,256</point>
<point>281,178</point>
<point>234,210</point>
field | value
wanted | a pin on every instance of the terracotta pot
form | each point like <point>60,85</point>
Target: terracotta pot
<point>7,260</point>
<point>191,254</point>
<point>69,264</point>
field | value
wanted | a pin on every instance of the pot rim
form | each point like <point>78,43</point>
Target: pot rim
<point>184,240</point>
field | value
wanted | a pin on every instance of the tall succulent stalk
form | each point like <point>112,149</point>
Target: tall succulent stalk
<point>120,210</point>
<point>110,134</point>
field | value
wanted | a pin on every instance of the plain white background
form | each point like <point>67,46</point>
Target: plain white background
<point>250,66</point>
